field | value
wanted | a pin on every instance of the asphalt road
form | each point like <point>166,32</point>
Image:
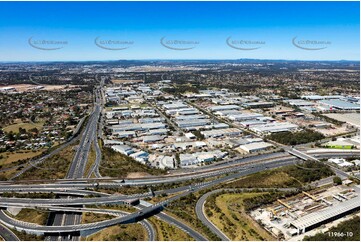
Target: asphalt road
<point>202,216</point>
<point>64,201</point>
<point>77,168</point>
<point>66,228</point>
<point>170,220</point>
<point>7,234</point>
<point>152,234</point>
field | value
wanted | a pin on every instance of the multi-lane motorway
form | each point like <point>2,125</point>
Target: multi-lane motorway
<point>77,169</point>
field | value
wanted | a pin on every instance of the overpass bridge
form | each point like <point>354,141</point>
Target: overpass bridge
<point>39,202</point>
<point>82,228</point>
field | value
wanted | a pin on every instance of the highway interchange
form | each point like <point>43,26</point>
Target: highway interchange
<point>73,191</point>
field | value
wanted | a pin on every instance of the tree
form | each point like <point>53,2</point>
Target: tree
<point>337,180</point>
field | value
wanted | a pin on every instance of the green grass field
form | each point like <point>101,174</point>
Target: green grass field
<point>27,126</point>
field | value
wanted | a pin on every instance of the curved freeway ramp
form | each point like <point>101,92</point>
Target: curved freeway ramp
<point>7,234</point>
<point>201,215</point>
<point>38,202</point>
<point>41,229</point>
<point>170,220</point>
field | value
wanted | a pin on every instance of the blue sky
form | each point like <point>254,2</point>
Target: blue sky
<point>272,25</point>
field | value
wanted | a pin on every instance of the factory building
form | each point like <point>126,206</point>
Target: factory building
<point>188,111</point>
<point>225,113</point>
<point>258,105</point>
<point>190,117</point>
<point>177,105</point>
<point>221,132</point>
<point>150,120</point>
<point>138,127</point>
<point>299,102</point>
<point>152,138</point>
<point>314,220</point>
<point>193,123</point>
<point>255,147</point>
<point>124,134</point>
<point>124,149</point>
<point>274,128</point>
<point>340,105</point>
<point>224,107</point>
<point>245,116</point>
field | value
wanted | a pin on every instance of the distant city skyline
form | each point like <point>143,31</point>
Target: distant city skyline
<point>102,31</point>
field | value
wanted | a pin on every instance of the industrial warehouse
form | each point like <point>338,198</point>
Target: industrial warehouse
<point>308,212</point>
<point>329,214</point>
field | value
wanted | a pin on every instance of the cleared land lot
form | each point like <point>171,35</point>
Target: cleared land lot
<point>351,118</point>
<point>10,157</point>
<point>27,126</point>
<point>130,232</point>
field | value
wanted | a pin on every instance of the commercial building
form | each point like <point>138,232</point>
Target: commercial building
<point>188,111</point>
<point>245,116</point>
<point>258,105</point>
<point>314,220</point>
<point>152,138</point>
<point>137,127</point>
<point>187,145</point>
<point>251,123</point>
<point>201,157</point>
<point>318,97</point>
<point>219,126</point>
<point>176,105</point>
<point>193,123</point>
<point>124,149</point>
<point>190,136</point>
<point>340,162</point>
<point>227,112</point>
<point>109,142</point>
<point>187,160</point>
<point>224,107</point>
<point>140,156</point>
<point>339,104</point>
<point>182,111</point>
<point>255,147</point>
<point>157,131</point>
<point>214,133</point>
<point>274,128</point>
<point>163,162</point>
<point>190,117</point>
<point>299,102</point>
<point>150,120</point>
<point>124,134</point>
